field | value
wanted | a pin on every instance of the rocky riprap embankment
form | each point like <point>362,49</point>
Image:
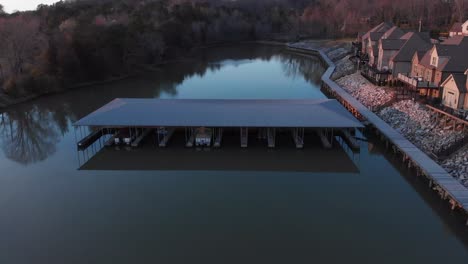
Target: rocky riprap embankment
<point>414,121</point>
<point>368,94</point>
<point>410,118</point>
<point>338,51</point>
<point>344,67</point>
<point>457,165</point>
<point>340,55</point>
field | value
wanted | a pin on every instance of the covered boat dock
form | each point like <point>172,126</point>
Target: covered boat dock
<point>138,118</point>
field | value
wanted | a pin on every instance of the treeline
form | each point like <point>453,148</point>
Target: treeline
<point>86,40</point>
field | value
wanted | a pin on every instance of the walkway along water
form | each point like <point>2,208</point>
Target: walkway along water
<point>439,180</point>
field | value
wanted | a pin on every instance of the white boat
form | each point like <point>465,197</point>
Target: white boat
<point>203,137</point>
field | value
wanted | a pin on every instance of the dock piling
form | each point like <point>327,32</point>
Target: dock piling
<point>244,136</point>
<point>271,137</point>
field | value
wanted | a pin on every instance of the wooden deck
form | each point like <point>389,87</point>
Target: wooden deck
<point>440,180</point>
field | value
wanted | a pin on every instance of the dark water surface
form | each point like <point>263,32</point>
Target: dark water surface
<point>231,206</point>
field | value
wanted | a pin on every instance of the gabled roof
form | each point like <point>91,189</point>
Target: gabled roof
<point>375,36</point>
<point>407,35</point>
<point>392,44</point>
<point>382,27</point>
<point>455,40</point>
<point>420,54</point>
<point>460,82</point>
<point>393,33</point>
<point>452,58</point>
<point>415,43</point>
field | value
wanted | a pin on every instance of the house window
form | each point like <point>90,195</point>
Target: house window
<point>434,61</point>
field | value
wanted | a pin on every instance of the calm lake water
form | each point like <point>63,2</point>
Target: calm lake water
<point>239,206</point>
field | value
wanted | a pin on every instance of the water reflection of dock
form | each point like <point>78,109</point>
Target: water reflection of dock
<point>257,157</point>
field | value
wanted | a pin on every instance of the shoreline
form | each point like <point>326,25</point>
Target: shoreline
<point>412,119</point>
<point>8,101</point>
<point>151,67</point>
<point>446,185</point>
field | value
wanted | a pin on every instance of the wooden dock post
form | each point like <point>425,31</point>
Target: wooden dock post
<point>271,132</point>
<point>218,138</point>
<point>189,137</point>
<point>453,204</point>
<point>324,139</point>
<point>298,137</point>
<point>244,136</point>
<point>349,139</point>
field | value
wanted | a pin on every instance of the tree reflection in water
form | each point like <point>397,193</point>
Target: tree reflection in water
<point>30,135</point>
<point>298,66</point>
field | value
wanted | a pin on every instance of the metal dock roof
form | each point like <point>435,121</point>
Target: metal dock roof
<point>321,113</point>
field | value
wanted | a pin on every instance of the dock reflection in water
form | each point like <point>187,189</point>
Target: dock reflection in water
<point>230,157</point>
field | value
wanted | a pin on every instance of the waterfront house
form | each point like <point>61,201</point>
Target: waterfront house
<point>391,37</point>
<point>395,53</point>
<point>401,62</point>
<point>370,38</point>
<point>379,70</point>
<point>455,93</point>
<point>436,65</point>
<point>381,47</point>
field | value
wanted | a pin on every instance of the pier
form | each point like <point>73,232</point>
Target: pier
<point>439,180</point>
<point>205,121</point>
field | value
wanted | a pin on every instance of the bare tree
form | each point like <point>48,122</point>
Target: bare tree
<point>460,9</point>
<point>21,41</point>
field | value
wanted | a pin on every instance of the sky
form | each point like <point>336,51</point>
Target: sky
<point>22,5</point>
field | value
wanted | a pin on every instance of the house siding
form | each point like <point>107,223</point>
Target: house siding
<point>465,102</point>
<point>452,97</point>
<point>401,67</point>
<point>384,58</point>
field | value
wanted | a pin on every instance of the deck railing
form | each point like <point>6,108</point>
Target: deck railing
<point>412,81</point>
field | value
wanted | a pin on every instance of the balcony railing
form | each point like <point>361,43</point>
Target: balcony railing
<point>416,83</point>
